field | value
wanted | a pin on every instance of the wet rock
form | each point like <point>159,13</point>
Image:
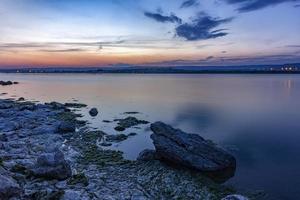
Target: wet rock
<point>3,137</point>
<point>21,99</point>
<point>119,128</point>
<point>5,83</point>
<point>75,105</point>
<point>56,105</point>
<point>66,127</point>
<point>105,144</point>
<point>93,112</point>
<point>147,155</point>
<point>9,188</point>
<point>190,150</point>
<point>235,197</point>
<point>116,138</point>
<point>106,121</point>
<point>131,113</point>
<point>52,166</point>
<point>132,134</point>
<point>130,122</point>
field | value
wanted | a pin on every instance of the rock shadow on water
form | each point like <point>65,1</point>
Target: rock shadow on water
<point>199,116</point>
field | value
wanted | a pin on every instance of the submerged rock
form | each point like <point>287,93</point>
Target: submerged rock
<point>131,121</point>
<point>52,166</point>
<point>93,112</point>
<point>9,188</point>
<point>128,122</point>
<point>119,128</point>
<point>132,134</point>
<point>116,138</point>
<point>191,151</point>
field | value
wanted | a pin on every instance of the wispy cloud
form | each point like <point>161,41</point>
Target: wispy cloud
<point>163,18</point>
<point>293,46</point>
<point>189,3</point>
<point>202,28</point>
<point>62,50</point>
<point>252,5</point>
<point>231,60</point>
<point>61,47</point>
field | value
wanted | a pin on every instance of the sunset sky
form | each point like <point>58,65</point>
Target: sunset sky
<point>52,33</point>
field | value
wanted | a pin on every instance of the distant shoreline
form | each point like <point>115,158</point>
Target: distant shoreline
<point>202,72</point>
<point>292,68</point>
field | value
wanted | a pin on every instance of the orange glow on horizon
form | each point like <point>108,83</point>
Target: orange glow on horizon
<point>46,59</point>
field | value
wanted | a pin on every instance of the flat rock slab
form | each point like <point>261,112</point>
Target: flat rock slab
<point>189,150</point>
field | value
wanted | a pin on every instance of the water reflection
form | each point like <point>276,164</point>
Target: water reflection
<point>256,117</point>
<point>200,115</point>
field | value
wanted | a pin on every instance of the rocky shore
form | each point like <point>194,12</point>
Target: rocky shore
<point>47,153</point>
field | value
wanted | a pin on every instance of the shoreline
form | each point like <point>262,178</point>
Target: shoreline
<point>30,131</point>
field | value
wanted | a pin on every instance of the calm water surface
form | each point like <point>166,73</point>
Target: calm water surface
<point>256,117</point>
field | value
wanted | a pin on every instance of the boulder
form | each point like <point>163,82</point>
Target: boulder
<point>147,155</point>
<point>9,188</point>
<point>66,127</point>
<point>93,112</point>
<point>190,150</point>
<point>52,166</point>
<point>21,99</point>
<point>4,83</point>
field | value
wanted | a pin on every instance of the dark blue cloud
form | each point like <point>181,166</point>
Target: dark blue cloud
<point>189,3</point>
<point>163,18</point>
<point>251,5</point>
<point>202,28</point>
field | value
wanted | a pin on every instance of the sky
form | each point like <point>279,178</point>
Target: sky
<point>96,33</point>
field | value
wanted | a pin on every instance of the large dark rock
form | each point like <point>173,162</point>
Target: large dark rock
<point>52,166</point>
<point>93,112</point>
<point>4,83</point>
<point>9,188</point>
<point>190,150</point>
